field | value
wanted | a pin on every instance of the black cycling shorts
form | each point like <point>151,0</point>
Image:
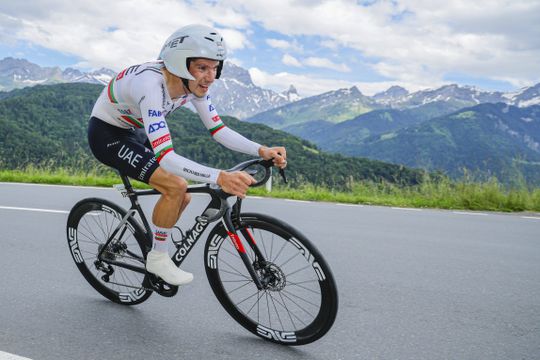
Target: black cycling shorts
<point>126,150</point>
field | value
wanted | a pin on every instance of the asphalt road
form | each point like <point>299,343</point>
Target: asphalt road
<point>422,284</point>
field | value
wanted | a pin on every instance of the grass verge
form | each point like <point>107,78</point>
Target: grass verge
<point>444,194</point>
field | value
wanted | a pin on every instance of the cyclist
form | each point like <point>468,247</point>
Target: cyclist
<point>140,97</point>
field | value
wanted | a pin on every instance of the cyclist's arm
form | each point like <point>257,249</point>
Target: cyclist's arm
<point>221,133</point>
<point>158,133</point>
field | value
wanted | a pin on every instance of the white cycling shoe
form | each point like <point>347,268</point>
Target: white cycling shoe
<point>159,263</point>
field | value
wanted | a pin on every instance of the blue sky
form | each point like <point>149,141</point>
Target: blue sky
<point>315,45</point>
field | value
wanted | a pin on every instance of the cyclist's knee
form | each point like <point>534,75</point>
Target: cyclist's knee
<point>172,186</point>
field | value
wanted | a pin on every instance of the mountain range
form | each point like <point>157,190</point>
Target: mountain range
<point>19,73</point>
<point>346,104</point>
<point>234,93</point>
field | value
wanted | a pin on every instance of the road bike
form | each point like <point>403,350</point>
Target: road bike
<point>268,276</point>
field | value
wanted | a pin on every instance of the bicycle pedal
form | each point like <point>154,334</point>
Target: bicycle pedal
<point>153,283</point>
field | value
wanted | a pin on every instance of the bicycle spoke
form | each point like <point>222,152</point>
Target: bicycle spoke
<point>285,292</point>
<point>303,287</point>
<point>249,297</point>
<point>268,307</point>
<point>256,302</point>
<point>238,288</point>
<point>294,272</point>
<point>286,262</point>
<point>277,312</point>
<point>235,273</point>
<point>288,312</point>
<point>87,228</point>
<point>232,268</point>
<point>280,250</point>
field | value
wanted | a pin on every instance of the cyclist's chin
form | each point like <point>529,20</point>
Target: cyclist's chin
<point>201,91</point>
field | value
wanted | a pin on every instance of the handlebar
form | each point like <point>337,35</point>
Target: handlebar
<point>267,164</point>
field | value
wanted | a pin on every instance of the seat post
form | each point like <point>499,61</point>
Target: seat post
<point>127,183</point>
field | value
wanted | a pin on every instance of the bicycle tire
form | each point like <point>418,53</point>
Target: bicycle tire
<point>90,223</point>
<point>270,232</point>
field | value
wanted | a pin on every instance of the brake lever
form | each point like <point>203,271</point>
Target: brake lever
<point>282,173</point>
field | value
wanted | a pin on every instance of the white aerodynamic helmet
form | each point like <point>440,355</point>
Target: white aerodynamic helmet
<point>192,41</point>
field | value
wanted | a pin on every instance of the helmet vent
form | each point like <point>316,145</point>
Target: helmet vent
<point>207,38</point>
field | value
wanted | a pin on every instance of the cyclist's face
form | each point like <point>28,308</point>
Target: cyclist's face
<point>204,71</point>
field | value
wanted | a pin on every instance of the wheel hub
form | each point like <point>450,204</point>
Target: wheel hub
<point>272,277</point>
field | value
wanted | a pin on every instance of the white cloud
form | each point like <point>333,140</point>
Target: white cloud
<point>278,44</point>
<point>235,39</point>
<point>326,63</point>
<point>290,60</point>
<point>139,27</point>
<point>284,45</point>
<point>407,41</point>
<point>310,84</point>
<point>497,39</point>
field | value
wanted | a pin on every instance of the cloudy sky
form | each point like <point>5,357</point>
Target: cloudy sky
<point>315,45</point>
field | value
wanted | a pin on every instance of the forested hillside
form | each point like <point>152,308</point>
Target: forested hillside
<point>46,126</point>
<point>488,139</point>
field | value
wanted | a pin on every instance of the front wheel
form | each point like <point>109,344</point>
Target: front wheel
<point>299,301</point>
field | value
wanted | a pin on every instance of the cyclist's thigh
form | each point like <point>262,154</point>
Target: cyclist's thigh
<point>121,149</point>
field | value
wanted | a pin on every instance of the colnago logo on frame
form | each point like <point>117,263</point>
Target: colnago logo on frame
<point>190,239</point>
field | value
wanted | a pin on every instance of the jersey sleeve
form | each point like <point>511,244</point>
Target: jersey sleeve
<point>157,130</point>
<point>220,132</point>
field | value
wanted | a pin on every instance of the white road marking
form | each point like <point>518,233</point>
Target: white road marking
<point>531,217</point>
<point>356,205</point>
<point>8,356</point>
<point>58,185</point>
<point>469,213</point>
<point>298,201</point>
<point>408,209</point>
<point>34,209</point>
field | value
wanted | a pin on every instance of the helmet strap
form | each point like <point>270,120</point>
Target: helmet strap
<point>185,82</point>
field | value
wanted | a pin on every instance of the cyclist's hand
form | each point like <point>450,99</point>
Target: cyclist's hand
<point>278,153</point>
<point>235,183</point>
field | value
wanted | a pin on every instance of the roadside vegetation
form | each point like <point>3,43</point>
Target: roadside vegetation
<point>440,193</point>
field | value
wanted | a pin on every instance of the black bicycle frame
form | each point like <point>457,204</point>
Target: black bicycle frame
<point>216,209</point>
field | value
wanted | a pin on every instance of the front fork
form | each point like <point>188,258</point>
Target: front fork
<point>232,221</point>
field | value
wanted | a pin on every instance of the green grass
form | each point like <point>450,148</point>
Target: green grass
<point>442,194</point>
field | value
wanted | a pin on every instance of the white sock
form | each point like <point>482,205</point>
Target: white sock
<point>161,236</point>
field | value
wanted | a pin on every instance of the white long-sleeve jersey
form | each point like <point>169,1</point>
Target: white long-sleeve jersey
<point>138,98</point>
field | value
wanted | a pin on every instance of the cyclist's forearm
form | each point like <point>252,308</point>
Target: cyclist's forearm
<point>236,142</point>
<point>181,166</point>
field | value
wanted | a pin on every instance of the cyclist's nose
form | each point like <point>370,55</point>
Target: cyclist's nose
<point>210,76</point>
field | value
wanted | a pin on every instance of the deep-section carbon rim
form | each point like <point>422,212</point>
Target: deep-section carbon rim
<point>299,302</point>
<point>91,222</point>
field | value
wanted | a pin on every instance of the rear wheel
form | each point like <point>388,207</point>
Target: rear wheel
<point>299,301</point>
<point>90,224</point>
